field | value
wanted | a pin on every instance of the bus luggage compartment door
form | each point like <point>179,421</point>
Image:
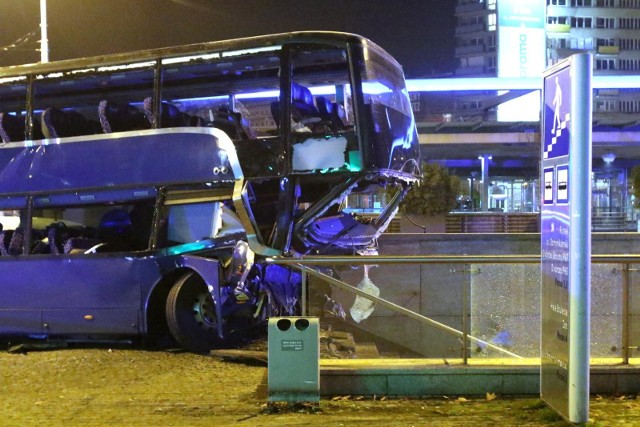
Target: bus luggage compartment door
<point>112,321</point>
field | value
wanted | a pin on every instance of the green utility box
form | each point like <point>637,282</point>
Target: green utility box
<point>294,359</point>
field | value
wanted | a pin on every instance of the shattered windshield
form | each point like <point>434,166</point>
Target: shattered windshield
<point>383,83</point>
<point>393,135</point>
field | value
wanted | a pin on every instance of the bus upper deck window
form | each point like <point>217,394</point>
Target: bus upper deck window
<point>230,93</point>
<point>321,89</point>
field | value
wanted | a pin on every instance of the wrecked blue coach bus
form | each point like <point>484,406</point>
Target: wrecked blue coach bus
<point>140,193</point>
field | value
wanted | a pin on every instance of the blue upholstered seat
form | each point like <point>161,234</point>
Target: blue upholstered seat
<point>16,244</point>
<point>62,123</point>
<point>303,110</point>
<point>331,113</point>
<point>121,117</point>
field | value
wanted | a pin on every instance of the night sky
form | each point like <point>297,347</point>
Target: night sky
<point>418,33</point>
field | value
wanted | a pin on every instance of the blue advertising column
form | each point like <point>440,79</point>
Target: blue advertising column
<point>566,237</point>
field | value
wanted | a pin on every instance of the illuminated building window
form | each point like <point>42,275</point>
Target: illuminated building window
<point>491,22</point>
<point>582,43</point>
<point>491,4</point>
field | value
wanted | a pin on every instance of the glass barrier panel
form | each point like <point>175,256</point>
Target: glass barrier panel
<point>505,309</point>
<point>606,313</point>
<point>497,306</point>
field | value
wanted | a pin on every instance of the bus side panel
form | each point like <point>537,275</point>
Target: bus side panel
<point>115,321</point>
<point>20,322</point>
<point>145,158</point>
<point>77,294</point>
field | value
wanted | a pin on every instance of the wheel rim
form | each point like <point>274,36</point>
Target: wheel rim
<point>204,312</point>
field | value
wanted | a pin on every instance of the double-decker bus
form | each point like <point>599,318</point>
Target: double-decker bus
<point>140,193</point>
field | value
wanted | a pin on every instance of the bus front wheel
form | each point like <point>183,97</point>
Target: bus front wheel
<point>191,314</point>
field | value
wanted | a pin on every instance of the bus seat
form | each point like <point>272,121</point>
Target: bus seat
<point>11,127</point>
<point>16,243</point>
<point>3,245</point>
<point>302,107</point>
<point>120,118</point>
<point>57,235</point>
<point>197,121</point>
<point>302,104</point>
<point>115,230</point>
<point>275,112</point>
<point>58,124</point>
<point>331,112</point>
<point>51,238</point>
<point>170,115</point>
<point>232,123</point>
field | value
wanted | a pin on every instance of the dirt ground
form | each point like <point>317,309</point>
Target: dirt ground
<point>131,387</point>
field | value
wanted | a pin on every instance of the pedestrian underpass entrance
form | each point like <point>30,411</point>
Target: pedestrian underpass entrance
<point>454,325</point>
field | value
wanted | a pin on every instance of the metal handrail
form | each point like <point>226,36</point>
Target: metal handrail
<point>440,259</point>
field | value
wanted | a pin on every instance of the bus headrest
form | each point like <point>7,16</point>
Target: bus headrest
<point>120,117</point>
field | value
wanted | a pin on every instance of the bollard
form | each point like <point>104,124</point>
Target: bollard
<point>294,358</point>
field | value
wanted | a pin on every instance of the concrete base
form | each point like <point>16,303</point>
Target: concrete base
<point>415,378</point>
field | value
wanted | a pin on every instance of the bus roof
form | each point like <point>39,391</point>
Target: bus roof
<point>231,47</point>
<point>129,160</point>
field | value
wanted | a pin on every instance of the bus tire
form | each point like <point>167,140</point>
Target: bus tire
<point>191,314</point>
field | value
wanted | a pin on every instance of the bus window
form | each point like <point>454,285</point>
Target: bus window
<point>78,229</point>
<point>93,101</point>
<point>13,93</point>
<point>322,111</point>
<point>393,134</point>
<point>232,93</point>
<point>10,241</point>
<point>192,222</point>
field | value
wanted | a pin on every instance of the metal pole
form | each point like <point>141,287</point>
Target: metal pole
<point>580,238</point>
<point>484,164</point>
<point>303,296</point>
<point>465,324</point>
<point>44,41</point>
<point>625,313</point>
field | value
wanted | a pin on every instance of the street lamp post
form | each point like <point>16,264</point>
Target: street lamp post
<point>44,41</point>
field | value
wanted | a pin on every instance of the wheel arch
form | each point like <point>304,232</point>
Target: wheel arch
<point>209,269</point>
<point>156,327</point>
